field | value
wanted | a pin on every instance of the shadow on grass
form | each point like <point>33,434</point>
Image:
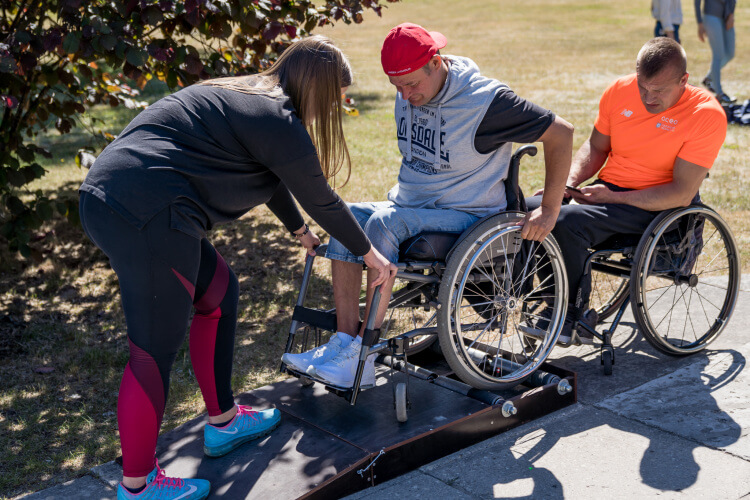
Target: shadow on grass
<point>367,101</point>
<point>63,344</point>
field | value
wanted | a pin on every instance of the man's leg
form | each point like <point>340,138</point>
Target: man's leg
<point>346,271</point>
<point>580,227</point>
<point>387,227</point>
<point>715,31</point>
<point>386,290</point>
<point>347,285</point>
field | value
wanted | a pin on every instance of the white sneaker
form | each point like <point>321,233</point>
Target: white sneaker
<point>317,355</point>
<point>341,369</point>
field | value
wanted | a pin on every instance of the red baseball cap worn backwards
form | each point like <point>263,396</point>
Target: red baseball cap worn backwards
<point>408,47</point>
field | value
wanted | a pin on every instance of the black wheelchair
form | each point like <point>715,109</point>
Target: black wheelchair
<point>682,278</point>
<point>475,292</point>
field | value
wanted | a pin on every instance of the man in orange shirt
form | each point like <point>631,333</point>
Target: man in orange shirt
<point>653,142</point>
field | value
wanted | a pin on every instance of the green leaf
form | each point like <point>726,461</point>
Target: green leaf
<point>152,16</point>
<point>31,220</point>
<point>172,79</point>
<point>73,216</point>
<point>44,210</point>
<point>23,36</point>
<point>37,169</point>
<point>136,56</point>
<point>15,205</point>
<point>24,250</point>
<point>72,42</point>
<point>108,42</point>
<point>15,178</point>
<point>26,154</point>
<point>28,174</point>
<point>120,49</point>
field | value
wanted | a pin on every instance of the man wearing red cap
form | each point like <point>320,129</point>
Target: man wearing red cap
<point>455,130</point>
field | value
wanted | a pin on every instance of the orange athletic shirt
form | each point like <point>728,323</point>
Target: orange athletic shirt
<point>645,145</point>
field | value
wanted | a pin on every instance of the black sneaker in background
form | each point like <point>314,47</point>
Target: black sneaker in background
<point>708,84</point>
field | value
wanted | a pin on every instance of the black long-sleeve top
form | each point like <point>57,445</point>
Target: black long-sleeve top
<point>210,154</point>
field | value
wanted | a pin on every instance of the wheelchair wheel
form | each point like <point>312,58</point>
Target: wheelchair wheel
<point>686,278</point>
<point>607,293</point>
<point>497,291</point>
<point>607,361</point>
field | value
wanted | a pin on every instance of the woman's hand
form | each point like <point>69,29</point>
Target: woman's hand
<point>730,21</point>
<point>375,261</point>
<point>307,239</point>
<point>701,32</point>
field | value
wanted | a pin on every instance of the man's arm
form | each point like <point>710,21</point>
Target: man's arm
<point>686,179</point>
<point>557,141</point>
<point>590,158</point>
<point>665,17</point>
<point>699,20</point>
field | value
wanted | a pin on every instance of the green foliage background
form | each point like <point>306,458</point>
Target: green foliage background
<point>60,57</point>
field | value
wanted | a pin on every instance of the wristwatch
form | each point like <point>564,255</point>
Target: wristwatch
<point>300,235</point>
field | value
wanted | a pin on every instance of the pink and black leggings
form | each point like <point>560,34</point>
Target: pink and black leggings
<point>164,274</point>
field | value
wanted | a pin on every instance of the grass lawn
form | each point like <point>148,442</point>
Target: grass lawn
<point>62,338</point>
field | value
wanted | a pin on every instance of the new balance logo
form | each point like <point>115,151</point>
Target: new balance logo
<point>626,112</point>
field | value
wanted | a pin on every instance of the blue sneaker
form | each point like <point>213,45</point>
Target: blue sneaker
<point>161,487</point>
<point>245,426</point>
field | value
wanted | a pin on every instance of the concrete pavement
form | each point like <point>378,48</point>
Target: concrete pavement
<point>659,426</point>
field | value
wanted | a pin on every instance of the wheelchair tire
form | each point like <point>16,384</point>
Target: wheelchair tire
<point>491,280</point>
<point>686,278</point>
<point>607,361</point>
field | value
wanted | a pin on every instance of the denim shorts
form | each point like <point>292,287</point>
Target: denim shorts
<point>388,225</point>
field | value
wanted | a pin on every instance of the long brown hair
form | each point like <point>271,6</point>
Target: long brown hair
<point>311,72</point>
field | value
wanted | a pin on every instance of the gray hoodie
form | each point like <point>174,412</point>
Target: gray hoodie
<point>441,167</point>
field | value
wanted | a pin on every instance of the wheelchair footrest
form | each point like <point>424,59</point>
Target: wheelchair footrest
<point>399,344</point>
<point>344,392</point>
<point>315,317</point>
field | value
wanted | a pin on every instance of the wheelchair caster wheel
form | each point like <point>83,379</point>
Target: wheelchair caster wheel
<point>401,410</point>
<point>607,362</point>
<point>306,382</point>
